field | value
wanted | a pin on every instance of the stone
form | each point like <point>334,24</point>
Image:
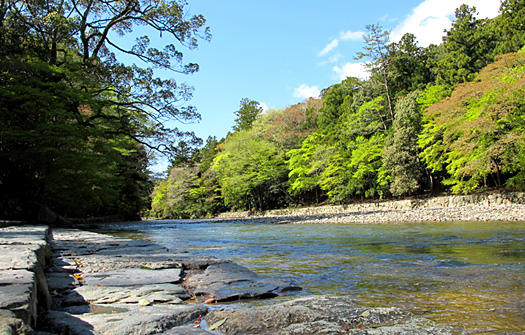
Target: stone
<point>11,325</point>
<point>321,315</point>
<point>123,319</point>
<point>159,294</point>
<point>187,330</point>
<point>229,281</point>
<point>61,281</point>
<point>18,294</point>
<point>131,277</point>
<point>24,235</point>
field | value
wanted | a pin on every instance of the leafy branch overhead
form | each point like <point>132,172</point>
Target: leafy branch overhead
<point>74,53</point>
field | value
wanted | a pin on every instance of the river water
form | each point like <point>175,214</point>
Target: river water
<point>467,275</point>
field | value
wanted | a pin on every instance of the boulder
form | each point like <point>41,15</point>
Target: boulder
<point>230,281</point>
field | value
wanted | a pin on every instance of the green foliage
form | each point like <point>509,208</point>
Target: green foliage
<point>401,154</point>
<point>469,47</point>
<point>477,133</point>
<point>510,27</point>
<point>75,123</point>
<point>251,172</point>
<point>248,112</point>
<point>307,163</point>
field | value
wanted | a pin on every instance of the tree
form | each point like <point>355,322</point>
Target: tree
<point>248,112</point>
<point>478,132</point>
<point>306,165</point>
<point>88,116</point>
<point>252,172</point>
<point>509,27</point>
<point>376,49</point>
<point>410,66</point>
<point>468,46</point>
<point>401,153</point>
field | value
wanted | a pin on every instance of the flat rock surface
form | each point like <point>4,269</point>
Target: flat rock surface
<point>160,293</point>
<point>15,256</point>
<point>23,255</point>
<point>24,235</point>
<point>109,285</point>
<point>321,315</point>
<point>123,319</point>
<point>18,293</point>
<point>132,277</point>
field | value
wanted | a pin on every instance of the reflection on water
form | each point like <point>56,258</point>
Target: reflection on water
<point>468,275</point>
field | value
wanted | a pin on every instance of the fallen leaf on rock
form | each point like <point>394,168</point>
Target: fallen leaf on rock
<point>365,314</point>
<point>217,324</point>
<point>209,301</point>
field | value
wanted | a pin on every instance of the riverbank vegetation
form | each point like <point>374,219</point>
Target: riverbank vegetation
<point>447,117</point>
<point>78,125</point>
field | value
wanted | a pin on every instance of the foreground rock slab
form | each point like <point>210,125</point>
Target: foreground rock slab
<point>321,315</point>
<point>230,281</point>
<point>111,285</point>
<point>24,254</point>
<point>121,319</point>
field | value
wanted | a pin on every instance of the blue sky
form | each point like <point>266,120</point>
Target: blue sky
<point>280,52</point>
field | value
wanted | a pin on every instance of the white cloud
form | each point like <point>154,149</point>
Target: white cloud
<point>304,92</point>
<point>429,19</point>
<point>343,36</point>
<point>264,106</point>
<point>351,70</point>
<point>329,47</point>
<point>351,35</point>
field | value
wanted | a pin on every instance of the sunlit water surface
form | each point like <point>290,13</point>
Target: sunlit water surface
<point>467,275</point>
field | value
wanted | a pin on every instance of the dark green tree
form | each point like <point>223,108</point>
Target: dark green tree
<point>468,47</point>
<point>248,112</point>
<point>509,27</point>
<point>401,153</point>
<point>76,121</point>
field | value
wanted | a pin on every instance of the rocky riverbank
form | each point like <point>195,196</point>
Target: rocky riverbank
<point>483,207</point>
<point>69,281</point>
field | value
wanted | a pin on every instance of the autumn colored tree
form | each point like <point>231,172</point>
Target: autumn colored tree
<point>478,131</point>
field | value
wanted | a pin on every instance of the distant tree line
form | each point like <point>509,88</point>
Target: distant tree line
<point>77,126</point>
<point>448,117</point>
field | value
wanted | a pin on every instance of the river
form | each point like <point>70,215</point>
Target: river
<point>467,275</point>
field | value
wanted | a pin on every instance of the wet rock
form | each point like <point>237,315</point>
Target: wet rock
<point>321,315</point>
<point>123,319</point>
<point>187,330</point>
<point>131,277</point>
<point>229,281</point>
